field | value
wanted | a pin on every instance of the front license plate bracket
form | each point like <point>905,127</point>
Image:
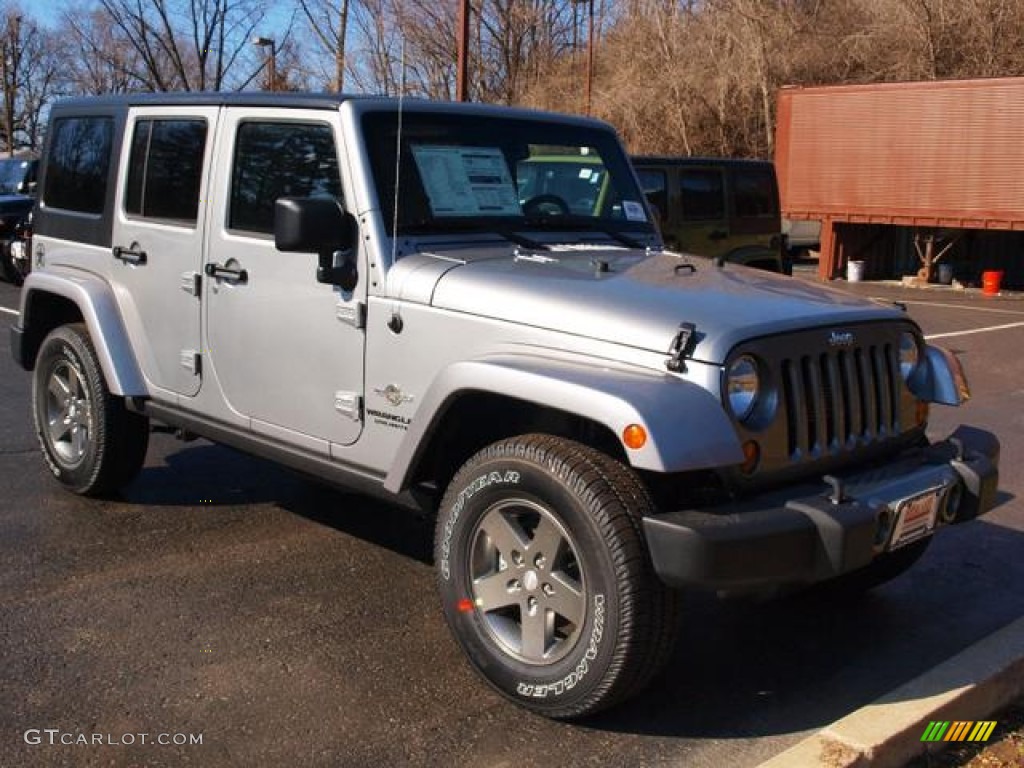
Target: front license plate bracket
<point>915,517</point>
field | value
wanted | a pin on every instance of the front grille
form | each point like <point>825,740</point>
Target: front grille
<point>836,400</point>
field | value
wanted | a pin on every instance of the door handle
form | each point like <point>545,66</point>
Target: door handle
<point>220,272</point>
<point>133,254</point>
<point>717,234</point>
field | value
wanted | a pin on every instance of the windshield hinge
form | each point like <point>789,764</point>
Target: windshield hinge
<point>352,313</point>
<point>682,347</point>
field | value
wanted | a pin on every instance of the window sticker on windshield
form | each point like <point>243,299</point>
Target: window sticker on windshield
<point>466,181</point>
<point>584,173</point>
<point>633,210</point>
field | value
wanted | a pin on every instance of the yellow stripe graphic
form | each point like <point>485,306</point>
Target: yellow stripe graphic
<point>977,731</point>
<point>989,727</point>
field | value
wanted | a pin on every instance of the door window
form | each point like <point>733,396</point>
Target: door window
<point>755,193</point>
<point>275,160</point>
<point>165,169</point>
<point>702,194</point>
<point>655,187</point>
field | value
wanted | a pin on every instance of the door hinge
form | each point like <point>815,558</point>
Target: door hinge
<point>191,283</point>
<point>192,360</point>
<point>349,404</point>
<point>352,313</point>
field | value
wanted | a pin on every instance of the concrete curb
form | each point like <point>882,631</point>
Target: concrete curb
<point>972,685</point>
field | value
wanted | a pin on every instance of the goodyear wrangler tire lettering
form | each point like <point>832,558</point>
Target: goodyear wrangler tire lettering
<point>90,441</point>
<point>545,579</point>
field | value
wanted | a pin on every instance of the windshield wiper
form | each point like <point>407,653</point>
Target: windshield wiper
<point>525,242</point>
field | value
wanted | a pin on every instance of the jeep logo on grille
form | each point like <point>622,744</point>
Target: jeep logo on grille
<point>840,339</point>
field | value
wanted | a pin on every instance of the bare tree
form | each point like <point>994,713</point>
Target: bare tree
<point>185,45</point>
<point>328,22</point>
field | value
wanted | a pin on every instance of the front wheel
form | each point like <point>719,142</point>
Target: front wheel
<point>545,579</point>
<point>91,442</point>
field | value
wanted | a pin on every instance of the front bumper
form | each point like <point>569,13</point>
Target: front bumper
<point>816,533</point>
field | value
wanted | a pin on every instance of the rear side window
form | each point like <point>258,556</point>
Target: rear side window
<point>702,193</point>
<point>275,160</point>
<point>755,193</point>
<point>78,164</point>
<point>165,169</point>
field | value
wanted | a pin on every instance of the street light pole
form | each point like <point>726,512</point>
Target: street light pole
<point>269,42</point>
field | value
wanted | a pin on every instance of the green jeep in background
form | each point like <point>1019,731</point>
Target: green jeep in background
<point>715,207</point>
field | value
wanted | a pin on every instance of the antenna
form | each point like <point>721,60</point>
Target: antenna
<point>395,323</point>
<point>398,160</point>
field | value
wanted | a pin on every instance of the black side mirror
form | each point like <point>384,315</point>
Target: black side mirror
<point>319,225</point>
<point>312,224</point>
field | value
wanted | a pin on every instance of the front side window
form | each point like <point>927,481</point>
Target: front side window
<point>165,169</point>
<point>702,194</point>
<point>655,186</point>
<point>78,164</point>
<point>275,160</point>
<point>480,173</point>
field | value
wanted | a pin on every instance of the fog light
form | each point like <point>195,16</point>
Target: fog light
<point>951,508</point>
<point>634,436</point>
<point>751,457</point>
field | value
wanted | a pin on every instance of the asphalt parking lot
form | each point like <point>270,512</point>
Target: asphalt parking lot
<point>284,623</point>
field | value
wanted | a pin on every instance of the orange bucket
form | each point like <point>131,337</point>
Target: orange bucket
<point>990,280</point>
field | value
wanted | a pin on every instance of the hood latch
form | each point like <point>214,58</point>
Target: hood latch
<point>682,347</point>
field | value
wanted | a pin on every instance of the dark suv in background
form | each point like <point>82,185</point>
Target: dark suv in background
<point>719,208</point>
<point>17,197</point>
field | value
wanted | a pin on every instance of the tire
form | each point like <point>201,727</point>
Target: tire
<point>545,579</point>
<point>92,444</point>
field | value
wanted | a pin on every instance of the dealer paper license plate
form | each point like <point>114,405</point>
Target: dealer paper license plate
<point>915,517</point>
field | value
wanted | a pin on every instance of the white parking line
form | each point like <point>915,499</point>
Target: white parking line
<point>953,306</point>
<point>974,330</point>
<point>9,311</point>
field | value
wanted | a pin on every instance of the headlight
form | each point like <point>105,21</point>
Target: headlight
<point>743,383</point>
<point>910,354</point>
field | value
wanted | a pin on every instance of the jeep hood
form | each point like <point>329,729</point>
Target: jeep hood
<point>628,297</point>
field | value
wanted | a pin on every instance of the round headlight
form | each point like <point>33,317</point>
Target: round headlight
<point>742,386</point>
<point>910,354</point>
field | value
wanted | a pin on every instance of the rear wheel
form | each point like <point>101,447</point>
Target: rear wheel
<point>545,579</point>
<point>91,442</point>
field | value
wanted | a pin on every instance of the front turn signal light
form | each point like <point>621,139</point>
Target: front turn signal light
<point>634,437</point>
<point>751,457</point>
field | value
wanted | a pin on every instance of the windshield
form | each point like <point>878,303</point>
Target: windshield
<point>13,173</point>
<point>481,173</point>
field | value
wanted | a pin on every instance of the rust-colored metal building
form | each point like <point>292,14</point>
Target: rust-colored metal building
<point>937,166</point>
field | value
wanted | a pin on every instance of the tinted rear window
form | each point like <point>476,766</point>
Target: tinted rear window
<point>78,164</point>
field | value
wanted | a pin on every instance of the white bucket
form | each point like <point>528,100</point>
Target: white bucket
<point>855,271</point>
<point>945,274</point>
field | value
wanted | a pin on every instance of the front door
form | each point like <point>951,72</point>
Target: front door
<point>284,349</point>
<point>158,236</point>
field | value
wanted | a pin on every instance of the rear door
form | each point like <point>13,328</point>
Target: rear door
<point>158,235</point>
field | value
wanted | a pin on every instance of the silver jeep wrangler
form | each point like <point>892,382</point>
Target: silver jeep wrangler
<point>359,289</point>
